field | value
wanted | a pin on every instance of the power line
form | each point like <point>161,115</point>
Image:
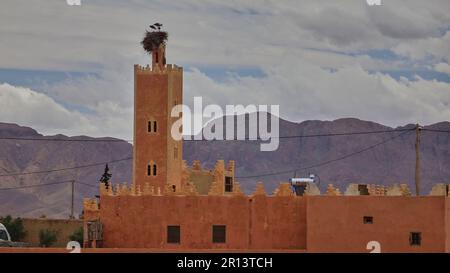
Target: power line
<point>329,161</point>
<point>68,168</point>
<point>36,185</point>
<point>189,140</point>
<point>310,135</point>
<point>129,158</point>
<point>48,184</point>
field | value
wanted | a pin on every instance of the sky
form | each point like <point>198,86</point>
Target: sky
<point>69,69</point>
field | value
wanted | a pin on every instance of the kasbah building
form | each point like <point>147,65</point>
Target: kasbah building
<point>172,206</point>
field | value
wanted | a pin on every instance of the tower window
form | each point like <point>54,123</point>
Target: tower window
<point>154,126</point>
<point>228,184</point>
<point>173,234</point>
<point>154,169</point>
<point>368,220</point>
<point>156,57</point>
<point>149,127</point>
<point>415,238</point>
<point>219,234</point>
<point>149,169</point>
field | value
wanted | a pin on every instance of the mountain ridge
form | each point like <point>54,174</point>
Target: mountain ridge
<point>392,162</point>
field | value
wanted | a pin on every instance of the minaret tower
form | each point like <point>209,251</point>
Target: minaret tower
<point>157,157</point>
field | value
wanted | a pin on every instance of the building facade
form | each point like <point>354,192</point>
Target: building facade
<point>170,205</point>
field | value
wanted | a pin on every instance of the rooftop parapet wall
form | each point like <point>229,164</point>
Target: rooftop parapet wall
<point>440,189</point>
<point>90,204</point>
<point>166,69</point>
<point>283,189</point>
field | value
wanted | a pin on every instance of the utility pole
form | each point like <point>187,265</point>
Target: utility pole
<point>71,208</point>
<point>418,129</point>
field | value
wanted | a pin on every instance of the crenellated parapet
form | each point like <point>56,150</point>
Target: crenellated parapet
<point>188,188</point>
<point>237,191</point>
<point>333,191</point>
<point>90,204</point>
<point>284,189</point>
<point>231,166</point>
<point>398,190</point>
<point>168,68</point>
<point>354,189</point>
<point>440,189</point>
<point>259,189</point>
<point>196,165</point>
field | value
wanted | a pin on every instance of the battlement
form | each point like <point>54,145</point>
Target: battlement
<point>283,189</point>
<point>168,68</point>
<point>90,204</point>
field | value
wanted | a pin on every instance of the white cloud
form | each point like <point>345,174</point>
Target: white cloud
<point>437,48</point>
<point>30,108</point>
<point>27,107</point>
<point>442,67</point>
<point>305,91</point>
<point>294,42</point>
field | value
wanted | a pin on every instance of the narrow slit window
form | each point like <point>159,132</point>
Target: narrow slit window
<point>154,169</point>
<point>155,128</point>
<point>149,127</point>
<point>149,169</point>
<point>228,184</point>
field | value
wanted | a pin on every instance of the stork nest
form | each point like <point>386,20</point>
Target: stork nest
<point>153,39</point>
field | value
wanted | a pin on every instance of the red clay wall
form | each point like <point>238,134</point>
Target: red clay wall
<point>335,224</point>
<point>278,222</point>
<point>314,223</point>
<point>258,223</point>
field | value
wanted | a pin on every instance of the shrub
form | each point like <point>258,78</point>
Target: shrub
<point>15,227</point>
<point>77,235</point>
<point>47,237</point>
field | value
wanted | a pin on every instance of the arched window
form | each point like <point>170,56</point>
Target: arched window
<point>149,127</point>
<point>149,169</point>
<point>154,169</point>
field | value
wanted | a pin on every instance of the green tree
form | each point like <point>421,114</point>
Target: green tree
<point>77,235</point>
<point>15,227</point>
<point>47,237</point>
<point>106,177</point>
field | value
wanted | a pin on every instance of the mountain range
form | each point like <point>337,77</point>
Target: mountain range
<point>376,158</point>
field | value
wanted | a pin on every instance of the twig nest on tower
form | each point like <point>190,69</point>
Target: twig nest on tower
<point>154,39</point>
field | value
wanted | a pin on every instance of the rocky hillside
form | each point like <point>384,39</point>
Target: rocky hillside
<point>391,162</point>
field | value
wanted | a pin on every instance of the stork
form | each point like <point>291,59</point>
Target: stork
<point>158,25</point>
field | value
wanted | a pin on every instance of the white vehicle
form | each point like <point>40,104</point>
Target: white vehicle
<point>4,235</point>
